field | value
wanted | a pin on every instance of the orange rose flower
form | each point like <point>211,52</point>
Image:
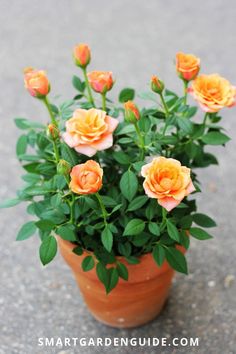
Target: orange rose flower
<point>213,92</point>
<point>131,112</point>
<point>82,55</point>
<point>89,131</point>
<point>36,82</point>
<point>167,181</point>
<point>86,178</point>
<point>187,66</point>
<point>101,81</point>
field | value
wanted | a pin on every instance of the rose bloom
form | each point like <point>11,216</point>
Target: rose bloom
<point>167,181</point>
<point>82,55</point>
<point>213,92</point>
<point>131,111</point>
<point>187,66</point>
<point>86,178</point>
<point>89,131</point>
<point>100,81</point>
<point>36,82</point>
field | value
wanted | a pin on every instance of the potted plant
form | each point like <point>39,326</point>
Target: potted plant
<point>109,183</point>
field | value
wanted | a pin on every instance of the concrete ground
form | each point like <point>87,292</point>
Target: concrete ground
<point>134,39</point>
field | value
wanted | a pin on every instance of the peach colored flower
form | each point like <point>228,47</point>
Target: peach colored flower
<point>89,131</point>
<point>131,111</point>
<point>82,55</point>
<point>86,178</point>
<point>187,66</point>
<point>100,81</point>
<point>36,82</point>
<point>167,181</point>
<point>213,92</point>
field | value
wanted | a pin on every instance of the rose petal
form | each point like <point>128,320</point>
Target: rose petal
<point>112,123</point>
<point>105,143</point>
<point>86,150</point>
<point>70,140</point>
<point>168,203</point>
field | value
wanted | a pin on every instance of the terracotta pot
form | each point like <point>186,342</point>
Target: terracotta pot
<point>132,303</point>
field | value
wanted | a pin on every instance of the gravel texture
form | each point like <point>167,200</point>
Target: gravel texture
<point>134,39</point>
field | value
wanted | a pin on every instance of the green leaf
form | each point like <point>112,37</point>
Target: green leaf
<point>26,231</point>
<point>45,225</point>
<point>127,94</point>
<point>184,239</point>
<point>154,228</point>
<point>199,233</point>
<point>69,155</point>
<point>113,279</point>
<point>185,125</point>
<point>122,271</point>
<point>137,203</point>
<point>203,220</point>
<point>121,157</point>
<point>215,138</point>
<point>103,275</point>
<point>172,230</point>
<point>87,263</point>
<point>23,123</point>
<point>158,254</point>
<point>66,232</point>
<point>21,145</point>
<point>132,260</point>
<point>107,239</point>
<point>134,227</point>
<point>125,249</point>
<point>186,222</point>
<point>129,185</point>
<point>8,203</point>
<point>78,84</point>
<point>176,259</point>
<point>48,249</point>
<point>108,201</point>
<point>78,250</point>
<point>127,129</point>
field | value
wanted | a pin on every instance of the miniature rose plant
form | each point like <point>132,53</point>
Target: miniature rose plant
<point>116,179</point>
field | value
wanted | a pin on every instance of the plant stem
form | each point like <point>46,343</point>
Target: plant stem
<point>72,207</point>
<point>141,141</point>
<point>47,104</point>
<point>185,91</point>
<point>54,122</point>
<point>164,105</point>
<point>91,100</point>
<point>205,118</point>
<point>164,213</point>
<point>104,101</point>
<point>104,212</point>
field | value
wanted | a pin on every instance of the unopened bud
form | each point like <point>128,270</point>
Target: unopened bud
<point>63,168</point>
<point>52,131</point>
<point>132,113</point>
<point>157,85</point>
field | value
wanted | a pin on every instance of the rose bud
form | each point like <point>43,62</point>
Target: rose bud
<point>187,66</point>
<point>82,55</point>
<point>36,82</point>
<point>132,113</point>
<point>157,85</point>
<point>100,81</point>
<point>63,168</point>
<point>52,131</point>
<point>86,178</point>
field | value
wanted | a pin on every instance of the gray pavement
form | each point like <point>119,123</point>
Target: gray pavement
<point>134,39</point>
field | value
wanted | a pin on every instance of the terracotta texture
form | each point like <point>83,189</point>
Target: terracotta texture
<point>132,303</point>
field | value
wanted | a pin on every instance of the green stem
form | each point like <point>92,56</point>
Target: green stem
<point>164,213</point>
<point>104,212</point>
<point>141,141</point>
<point>205,118</point>
<point>164,105</point>
<point>104,101</point>
<point>185,91</point>
<point>47,104</point>
<point>72,208</point>
<point>54,122</point>
<point>91,100</point>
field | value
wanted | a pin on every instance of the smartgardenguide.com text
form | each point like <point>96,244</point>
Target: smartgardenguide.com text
<point>117,342</point>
